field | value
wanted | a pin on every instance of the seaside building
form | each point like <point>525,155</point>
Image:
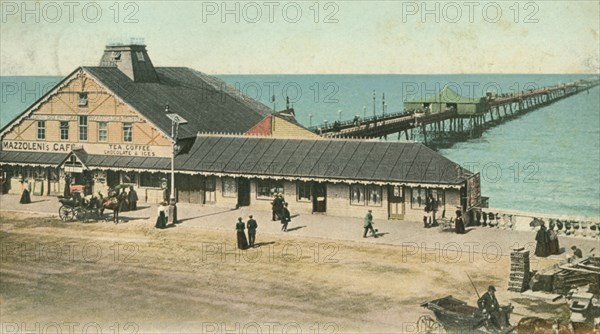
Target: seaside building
<point>108,125</point>
<point>446,99</point>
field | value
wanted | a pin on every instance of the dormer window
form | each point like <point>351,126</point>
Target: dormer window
<point>140,56</point>
<point>116,56</point>
<point>83,99</point>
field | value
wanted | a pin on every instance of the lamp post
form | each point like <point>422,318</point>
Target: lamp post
<point>364,112</point>
<point>176,120</point>
<point>310,116</point>
<point>340,115</point>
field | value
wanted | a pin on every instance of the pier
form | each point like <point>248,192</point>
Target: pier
<point>448,117</point>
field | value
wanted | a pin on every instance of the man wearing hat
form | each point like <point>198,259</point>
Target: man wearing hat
<point>251,225</point>
<point>489,305</point>
<point>368,225</point>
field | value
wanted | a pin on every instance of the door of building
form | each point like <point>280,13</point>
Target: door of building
<point>396,202</point>
<point>112,178</point>
<point>243,188</point>
<point>319,197</point>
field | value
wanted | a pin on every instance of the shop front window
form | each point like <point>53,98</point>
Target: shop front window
<point>357,194</point>
<point>268,188</point>
<point>229,187</point>
<point>374,195</point>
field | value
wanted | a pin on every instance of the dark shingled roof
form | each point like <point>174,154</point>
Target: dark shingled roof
<point>207,103</point>
<point>387,162</point>
<point>337,160</point>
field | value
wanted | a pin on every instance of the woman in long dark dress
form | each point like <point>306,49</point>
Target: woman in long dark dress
<point>542,241</point>
<point>161,221</point>
<point>25,196</point>
<point>242,242</point>
<point>553,246</point>
<point>459,224</point>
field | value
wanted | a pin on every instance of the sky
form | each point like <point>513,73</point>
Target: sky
<point>307,37</point>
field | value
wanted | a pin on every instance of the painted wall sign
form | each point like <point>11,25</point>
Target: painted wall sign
<point>130,150</point>
<point>91,118</point>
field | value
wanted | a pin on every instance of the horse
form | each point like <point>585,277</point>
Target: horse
<point>113,203</point>
<point>535,325</point>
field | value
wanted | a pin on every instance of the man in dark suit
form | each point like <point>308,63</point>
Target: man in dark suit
<point>285,217</point>
<point>251,225</point>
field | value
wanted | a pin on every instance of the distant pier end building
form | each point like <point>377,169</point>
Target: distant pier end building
<point>108,125</point>
<point>447,99</point>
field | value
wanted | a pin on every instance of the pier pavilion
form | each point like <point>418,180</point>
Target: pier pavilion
<point>446,99</point>
<point>108,125</point>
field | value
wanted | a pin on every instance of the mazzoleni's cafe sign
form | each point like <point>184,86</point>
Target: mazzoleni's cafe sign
<point>130,150</point>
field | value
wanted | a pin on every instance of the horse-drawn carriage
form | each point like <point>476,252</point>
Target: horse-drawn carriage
<point>455,316</point>
<point>91,207</point>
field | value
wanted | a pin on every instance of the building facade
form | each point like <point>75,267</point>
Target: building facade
<point>108,125</point>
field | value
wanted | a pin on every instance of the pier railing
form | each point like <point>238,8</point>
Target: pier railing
<point>564,225</point>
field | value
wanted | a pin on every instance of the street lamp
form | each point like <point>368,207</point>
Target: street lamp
<point>340,115</point>
<point>310,116</point>
<point>364,112</point>
<point>176,120</point>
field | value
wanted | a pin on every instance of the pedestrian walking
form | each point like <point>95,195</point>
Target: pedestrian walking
<point>428,216</point>
<point>368,225</point>
<point>459,224</point>
<point>161,221</point>
<point>242,243</point>
<point>542,240</point>
<point>133,198</point>
<point>285,218</point>
<point>276,207</point>
<point>26,195</point>
<point>251,225</point>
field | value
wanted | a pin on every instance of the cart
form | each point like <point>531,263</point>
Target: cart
<point>455,316</point>
<point>78,208</point>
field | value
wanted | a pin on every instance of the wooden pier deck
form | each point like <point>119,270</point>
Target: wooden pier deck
<point>450,123</point>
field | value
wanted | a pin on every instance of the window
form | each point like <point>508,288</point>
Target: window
<point>357,194</point>
<point>116,55</point>
<point>303,191</point>
<point>150,180</point>
<point>64,130</point>
<point>140,56</point>
<point>102,131</point>
<point>129,177</point>
<point>83,128</point>
<point>41,130</point>
<point>229,187</point>
<point>83,99</point>
<point>268,188</point>
<point>418,198</point>
<point>127,132</point>
<point>210,190</point>
<point>373,195</point>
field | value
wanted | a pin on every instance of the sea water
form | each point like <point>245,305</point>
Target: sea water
<point>545,161</point>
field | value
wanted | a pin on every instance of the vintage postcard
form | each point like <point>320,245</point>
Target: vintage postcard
<point>287,167</point>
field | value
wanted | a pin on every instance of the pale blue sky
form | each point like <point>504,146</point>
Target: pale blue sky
<point>368,37</point>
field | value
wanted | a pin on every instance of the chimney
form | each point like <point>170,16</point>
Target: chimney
<point>132,59</point>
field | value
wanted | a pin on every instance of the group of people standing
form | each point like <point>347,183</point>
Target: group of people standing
<point>546,241</point>
<point>280,211</point>
<point>251,225</point>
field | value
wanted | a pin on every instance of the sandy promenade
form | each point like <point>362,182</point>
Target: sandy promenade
<point>321,277</point>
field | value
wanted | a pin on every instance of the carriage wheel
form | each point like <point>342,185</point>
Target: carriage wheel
<point>66,213</point>
<point>428,325</point>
